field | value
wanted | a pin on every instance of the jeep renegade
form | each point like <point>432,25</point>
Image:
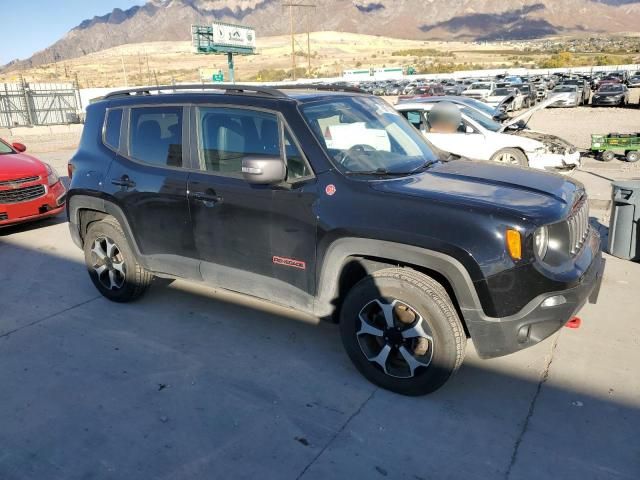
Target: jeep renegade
<point>330,202</point>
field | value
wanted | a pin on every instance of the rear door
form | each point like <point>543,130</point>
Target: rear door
<point>256,239</point>
<point>148,180</point>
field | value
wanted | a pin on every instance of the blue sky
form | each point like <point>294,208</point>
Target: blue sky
<point>31,25</point>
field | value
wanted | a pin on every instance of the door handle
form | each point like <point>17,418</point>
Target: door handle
<point>123,181</point>
<point>208,199</point>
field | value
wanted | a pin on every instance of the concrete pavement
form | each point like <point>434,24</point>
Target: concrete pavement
<point>193,383</point>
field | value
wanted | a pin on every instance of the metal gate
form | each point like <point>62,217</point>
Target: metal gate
<point>25,104</point>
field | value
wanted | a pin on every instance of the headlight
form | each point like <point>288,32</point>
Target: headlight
<point>52,176</point>
<point>541,242</point>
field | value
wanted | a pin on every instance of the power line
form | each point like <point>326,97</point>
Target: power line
<point>293,40</point>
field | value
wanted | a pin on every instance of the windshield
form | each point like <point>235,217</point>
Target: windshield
<point>565,89</point>
<point>480,86</point>
<point>366,134</point>
<point>502,92</point>
<point>4,148</point>
<point>478,105</point>
<point>611,88</point>
<point>483,120</point>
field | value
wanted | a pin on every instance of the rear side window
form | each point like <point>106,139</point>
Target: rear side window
<point>156,135</point>
<point>112,128</point>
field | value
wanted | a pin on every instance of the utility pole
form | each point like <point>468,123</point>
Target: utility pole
<point>293,37</point>
<point>124,71</point>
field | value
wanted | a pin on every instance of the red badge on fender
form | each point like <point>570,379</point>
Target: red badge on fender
<point>290,262</point>
<point>330,189</point>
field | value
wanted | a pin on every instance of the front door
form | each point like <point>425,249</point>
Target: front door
<point>255,239</point>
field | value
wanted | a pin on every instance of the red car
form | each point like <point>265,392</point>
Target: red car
<point>29,189</point>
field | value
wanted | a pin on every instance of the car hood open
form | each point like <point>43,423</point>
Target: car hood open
<point>544,104</point>
<point>523,192</point>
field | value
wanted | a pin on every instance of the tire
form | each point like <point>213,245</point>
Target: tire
<point>607,156</point>
<point>426,330</point>
<point>511,156</point>
<point>632,156</point>
<point>112,266</point>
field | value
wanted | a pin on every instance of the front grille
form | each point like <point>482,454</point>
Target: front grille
<point>21,194</point>
<point>18,181</point>
<point>578,226</point>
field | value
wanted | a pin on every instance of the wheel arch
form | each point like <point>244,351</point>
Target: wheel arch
<point>348,260</point>
<point>86,209</point>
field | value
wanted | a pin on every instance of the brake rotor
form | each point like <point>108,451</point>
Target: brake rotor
<point>407,316</point>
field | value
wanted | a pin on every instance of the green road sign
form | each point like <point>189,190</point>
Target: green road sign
<point>218,77</point>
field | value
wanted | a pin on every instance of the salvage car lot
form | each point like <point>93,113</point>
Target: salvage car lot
<point>192,383</point>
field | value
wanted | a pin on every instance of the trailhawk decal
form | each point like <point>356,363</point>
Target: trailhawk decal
<point>290,262</point>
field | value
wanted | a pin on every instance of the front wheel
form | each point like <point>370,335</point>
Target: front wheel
<point>112,266</point>
<point>402,332</point>
<point>511,156</point>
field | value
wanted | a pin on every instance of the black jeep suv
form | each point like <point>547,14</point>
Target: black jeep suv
<point>332,203</point>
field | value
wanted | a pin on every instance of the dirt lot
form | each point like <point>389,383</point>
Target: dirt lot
<point>194,383</point>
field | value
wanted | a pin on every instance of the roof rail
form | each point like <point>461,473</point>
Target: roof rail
<point>226,88</point>
<point>322,87</point>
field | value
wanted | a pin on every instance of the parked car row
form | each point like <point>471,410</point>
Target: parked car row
<point>513,93</point>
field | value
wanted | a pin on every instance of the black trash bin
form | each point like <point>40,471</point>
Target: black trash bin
<point>625,215</point>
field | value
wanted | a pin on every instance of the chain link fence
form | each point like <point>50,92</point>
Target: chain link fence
<point>28,104</point>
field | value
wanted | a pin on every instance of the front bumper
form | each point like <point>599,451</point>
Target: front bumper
<point>50,204</point>
<point>535,322</point>
<point>606,101</point>
<point>555,162</point>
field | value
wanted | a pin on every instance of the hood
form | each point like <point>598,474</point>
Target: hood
<point>553,143</point>
<point>549,101</point>
<point>16,165</point>
<point>524,193</point>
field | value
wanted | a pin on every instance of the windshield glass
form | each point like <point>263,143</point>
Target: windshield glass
<point>483,120</point>
<point>478,105</point>
<point>4,148</point>
<point>365,134</point>
<point>480,86</point>
<point>611,88</point>
<point>565,89</point>
<point>502,92</point>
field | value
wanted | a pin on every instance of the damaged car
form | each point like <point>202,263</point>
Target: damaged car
<point>479,137</point>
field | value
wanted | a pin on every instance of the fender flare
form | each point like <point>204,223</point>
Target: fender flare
<point>87,202</point>
<point>341,250</point>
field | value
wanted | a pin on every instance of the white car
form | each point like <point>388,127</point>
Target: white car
<point>481,138</point>
<point>479,90</point>
<point>508,99</point>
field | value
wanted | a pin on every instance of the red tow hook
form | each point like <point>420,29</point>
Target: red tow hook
<point>575,322</point>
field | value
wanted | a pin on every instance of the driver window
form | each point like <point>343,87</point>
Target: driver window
<point>446,128</point>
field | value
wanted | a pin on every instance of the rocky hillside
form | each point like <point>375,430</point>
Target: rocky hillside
<point>161,20</point>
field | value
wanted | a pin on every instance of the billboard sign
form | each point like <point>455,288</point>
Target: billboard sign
<point>227,35</point>
<point>223,38</point>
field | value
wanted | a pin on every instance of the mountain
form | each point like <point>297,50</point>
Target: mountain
<point>415,19</point>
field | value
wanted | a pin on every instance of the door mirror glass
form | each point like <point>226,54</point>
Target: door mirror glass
<point>263,170</point>
<point>19,147</point>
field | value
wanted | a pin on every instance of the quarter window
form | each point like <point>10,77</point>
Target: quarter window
<point>156,135</point>
<point>228,135</point>
<point>297,167</point>
<point>112,128</point>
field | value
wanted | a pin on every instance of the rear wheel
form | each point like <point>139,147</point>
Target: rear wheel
<point>511,156</point>
<point>632,156</point>
<point>607,156</point>
<point>402,332</point>
<point>111,263</point>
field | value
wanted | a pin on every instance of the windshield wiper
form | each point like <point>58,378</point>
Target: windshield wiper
<point>383,172</point>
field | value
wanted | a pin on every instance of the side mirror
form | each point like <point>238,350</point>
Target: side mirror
<point>19,147</point>
<point>469,130</point>
<point>267,170</point>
